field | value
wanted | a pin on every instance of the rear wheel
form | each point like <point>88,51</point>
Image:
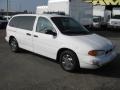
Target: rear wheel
<point>14,45</point>
<point>69,60</point>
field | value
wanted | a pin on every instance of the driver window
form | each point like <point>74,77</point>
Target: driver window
<point>43,25</point>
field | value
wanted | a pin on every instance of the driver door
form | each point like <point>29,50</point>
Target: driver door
<point>45,44</point>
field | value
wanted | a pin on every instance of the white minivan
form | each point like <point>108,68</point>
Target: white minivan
<point>60,38</point>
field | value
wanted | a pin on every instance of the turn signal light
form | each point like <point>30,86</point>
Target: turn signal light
<point>92,53</point>
<point>96,53</point>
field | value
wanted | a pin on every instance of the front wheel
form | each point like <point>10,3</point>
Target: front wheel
<point>69,60</point>
<point>14,45</point>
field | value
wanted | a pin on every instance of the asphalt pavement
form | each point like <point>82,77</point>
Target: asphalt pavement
<point>28,71</point>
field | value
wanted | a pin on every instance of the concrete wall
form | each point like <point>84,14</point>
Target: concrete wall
<point>81,11</point>
<point>62,6</point>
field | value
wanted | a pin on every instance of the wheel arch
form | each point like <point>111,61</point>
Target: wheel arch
<point>11,37</point>
<point>63,49</point>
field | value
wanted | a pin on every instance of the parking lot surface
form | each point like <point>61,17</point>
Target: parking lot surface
<point>28,71</point>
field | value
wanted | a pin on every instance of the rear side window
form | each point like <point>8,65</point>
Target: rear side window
<point>23,22</point>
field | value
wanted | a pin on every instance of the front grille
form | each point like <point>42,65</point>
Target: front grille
<point>115,23</point>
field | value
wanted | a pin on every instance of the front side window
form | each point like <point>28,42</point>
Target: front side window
<point>23,22</point>
<point>69,26</point>
<point>43,25</point>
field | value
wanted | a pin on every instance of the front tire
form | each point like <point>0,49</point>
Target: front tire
<point>14,45</point>
<point>69,60</point>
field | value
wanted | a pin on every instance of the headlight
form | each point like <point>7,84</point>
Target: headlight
<point>96,53</point>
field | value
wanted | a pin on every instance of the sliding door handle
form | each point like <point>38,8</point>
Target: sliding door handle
<point>28,34</point>
<point>35,36</point>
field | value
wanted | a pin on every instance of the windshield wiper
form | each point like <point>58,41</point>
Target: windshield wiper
<point>73,32</point>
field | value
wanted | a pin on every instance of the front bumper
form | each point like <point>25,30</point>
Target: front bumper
<point>90,62</point>
<point>114,26</point>
<point>96,25</point>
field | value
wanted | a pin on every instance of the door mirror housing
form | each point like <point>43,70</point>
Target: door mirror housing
<point>50,32</point>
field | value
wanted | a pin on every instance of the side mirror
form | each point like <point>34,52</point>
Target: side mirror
<point>51,32</point>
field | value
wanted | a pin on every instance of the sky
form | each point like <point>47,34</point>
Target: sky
<point>21,5</point>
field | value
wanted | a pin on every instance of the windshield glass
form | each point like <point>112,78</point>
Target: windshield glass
<point>2,18</point>
<point>96,19</point>
<point>116,17</point>
<point>69,26</point>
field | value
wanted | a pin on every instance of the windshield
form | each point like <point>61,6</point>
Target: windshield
<point>96,19</point>
<point>69,26</point>
<point>116,17</point>
<point>2,18</point>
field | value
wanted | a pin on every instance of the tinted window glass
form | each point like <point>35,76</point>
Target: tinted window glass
<point>23,22</point>
<point>69,26</point>
<point>96,19</point>
<point>2,18</point>
<point>116,17</point>
<point>43,25</point>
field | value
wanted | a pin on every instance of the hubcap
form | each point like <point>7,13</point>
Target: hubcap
<point>13,45</point>
<point>67,61</point>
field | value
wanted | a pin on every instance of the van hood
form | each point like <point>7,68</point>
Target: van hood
<point>96,42</point>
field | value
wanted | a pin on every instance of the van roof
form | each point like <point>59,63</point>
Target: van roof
<point>44,15</point>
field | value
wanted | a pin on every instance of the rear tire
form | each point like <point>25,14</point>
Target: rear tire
<point>69,61</point>
<point>14,45</point>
